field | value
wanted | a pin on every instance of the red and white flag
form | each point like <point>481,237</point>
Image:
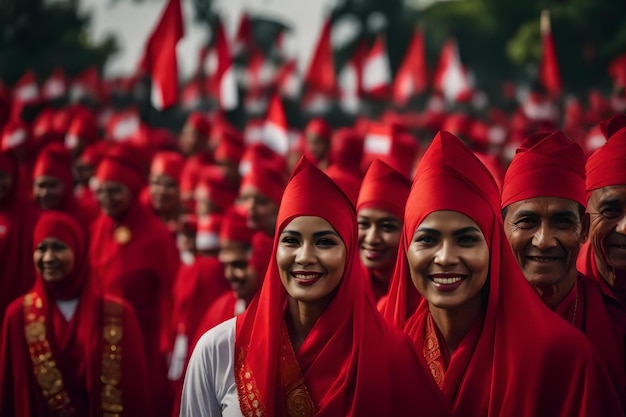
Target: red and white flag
<point>320,77</point>
<point>244,40</point>
<point>412,76</point>
<point>225,79</point>
<point>55,86</point>
<point>288,80</point>
<point>275,130</point>
<point>159,59</point>
<point>451,77</point>
<point>549,72</point>
<point>377,71</point>
<point>350,78</point>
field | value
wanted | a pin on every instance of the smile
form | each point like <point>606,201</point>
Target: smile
<point>447,282</point>
<point>543,258</point>
<point>306,278</point>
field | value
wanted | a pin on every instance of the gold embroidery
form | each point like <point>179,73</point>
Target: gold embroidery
<point>247,390</point>
<point>432,353</point>
<point>112,399</point>
<point>47,374</point>
<point>298,402</point>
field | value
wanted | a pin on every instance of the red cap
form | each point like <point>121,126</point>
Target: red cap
<point>16,134</point>
<point>82,128</point>
<point>200,123</point>
<point>55,161</point>
<point>207,235</point>
<point>230,143</point>
<point>123,164</point>
<point>167,163</point>
<point>234,227</point>
<point>607,165</point>
<point>269,180</point>
<point>214,185</point>
<point>319,127</point>
<point>380,182</point>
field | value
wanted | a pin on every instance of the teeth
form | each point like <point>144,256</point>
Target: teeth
<point>306,276</point>
<point>543,258</point>
<point>447,281</point>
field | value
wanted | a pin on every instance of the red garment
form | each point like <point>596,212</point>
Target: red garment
<point>76,345</point>
<point>137,260</point>
<point>380,182</point>
<point>346,151</point>
<point>17,221</point>
<point>606,165</point>
<point>350,353</point>
<point>540,160</point>
<point>167,163</point>
<point>524,361</point>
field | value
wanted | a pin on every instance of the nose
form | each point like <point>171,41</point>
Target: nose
<point>372,235</point>
<point>446,254</point>
<point>305,255</point>
<point>620,227</point>
<point>48,256</point>
<point>543,238</point>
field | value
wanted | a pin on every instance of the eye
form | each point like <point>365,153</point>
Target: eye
<point>468,240</point>
<point>390,227</point>
<point>363,224</point>
<point>525,223</point>
<point>58,246</point>
<point>41,247</point>
<point>326,242</point>
<point>289,241</point>
<point>611,212</point>
<point>565,222</point>
<point>425,239</point>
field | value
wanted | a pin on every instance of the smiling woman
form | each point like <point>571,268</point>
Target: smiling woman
<point>312,343</point>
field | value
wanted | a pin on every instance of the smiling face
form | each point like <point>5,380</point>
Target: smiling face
<point>311,258</point>
<point>53,259</point>
<point>238,271</point>
<point>545,234</point>
<point>448,259</point>
<point>607,210</point>
<point>164,194</point>
<point>379,238</point>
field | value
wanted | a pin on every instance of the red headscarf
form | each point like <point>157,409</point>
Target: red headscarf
<point>55,161</point>
<point>230,144</point>
<point>83,128</point>
<point>607,165</point>
<point>234,227</point>
<point>214,185</point>
<point>349,353</point>
<point>267,178</point>
<point>525,361</point>
<point>167,163</point>
<point>260,152</point>
<point>319,127</point>
<point>546,165</point>
<point>382,181</point>
<point>123,163</point>
<point>346,151</point>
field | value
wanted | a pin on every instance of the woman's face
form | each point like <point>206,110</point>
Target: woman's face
<point>448,258</point>
<point>53,259</point>
<point>114,198</point>
<point>379,238</point>
<point>311,258</point>
<point>48,192</point>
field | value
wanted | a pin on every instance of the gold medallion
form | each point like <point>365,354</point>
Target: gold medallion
<point>112,333</point>
<point>122,235</point>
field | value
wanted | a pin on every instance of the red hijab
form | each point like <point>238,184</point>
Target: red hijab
<point>350,353</point>
<point>524,360</point>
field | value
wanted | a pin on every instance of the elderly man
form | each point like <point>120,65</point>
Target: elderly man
<point>543,200</point>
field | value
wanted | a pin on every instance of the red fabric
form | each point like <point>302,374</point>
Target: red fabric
<point>347,182</point>
<point>380,182</point>
<point>376,81</point>
<point>538,162</point>
<point>350,352</point>
<point>214,185</point>
<point>17,222</point>
<point>123,163</point>
<point>617,70</point>
<point>25,94</point>
<point>141,271</point>
<point>160,56</point>
<point>234,227</point>
<point>611,126</point>
<point>260,152</point>
<point>412,76</point>
<point>230,145</point>
<point>76,344</point>
<point>606,165</point>
<point>223,82</point>
<point>55,86</point>
<point>525,361</point>
<point>55,161</point>
<point>168,163</point>
<point>319,127</point>
<point>191,171</point>
<point>392,145</point>
<point>346,151</point>
<point>269,180</point>
<point>83,128</point>
<point>200,123</point>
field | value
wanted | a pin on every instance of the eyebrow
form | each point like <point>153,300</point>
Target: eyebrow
<point>611,201</point>
<point>382,219</point>
<point>528,213</point>
<point>462,231</point>
<point>316,234</point>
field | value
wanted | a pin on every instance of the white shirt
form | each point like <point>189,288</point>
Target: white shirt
<point>67,308</point>
<point>209,389</point>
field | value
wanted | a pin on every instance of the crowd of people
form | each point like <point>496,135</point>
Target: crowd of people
<point>420,263</point>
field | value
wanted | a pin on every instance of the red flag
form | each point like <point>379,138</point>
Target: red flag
<point>549,73</point>
<point>320,76</point>
<point>288,80</point>
<point>350,79</point>
<point>412,76</point>
<point>244,40</point>
<point>451,77</point>
<point>275,130</point>
<point>160,56</point>
<point>377,71</point>
<point>224,80</point>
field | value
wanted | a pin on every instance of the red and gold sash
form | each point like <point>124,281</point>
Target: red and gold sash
<point>49,376</point>
<point>297,400</point>
<point>432,352</point>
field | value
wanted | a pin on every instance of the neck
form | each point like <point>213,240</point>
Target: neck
<point>301,318</point>
<point>553,295</point>
<point>455,324</point>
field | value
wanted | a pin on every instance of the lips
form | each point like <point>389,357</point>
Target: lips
<point>544,259</point>
<point>373,254</point>
<point>447,282</point>
<point>306,277</point>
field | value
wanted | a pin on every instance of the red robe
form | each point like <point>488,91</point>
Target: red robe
<point>140,267</point>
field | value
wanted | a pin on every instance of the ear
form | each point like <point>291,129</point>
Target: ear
<point>584,233</point>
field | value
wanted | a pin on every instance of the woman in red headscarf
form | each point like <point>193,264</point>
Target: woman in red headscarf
<point>67,349</point>
<point>136,258</point>
<point>312,343</point>
<point>164,188</point>
<point>17,221</point>
<point>380,220</point>
<point>492,346</point>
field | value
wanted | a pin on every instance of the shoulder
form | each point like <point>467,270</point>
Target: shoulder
<point>218,340</point>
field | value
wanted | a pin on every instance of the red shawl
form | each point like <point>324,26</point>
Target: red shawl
<point>76,345</point>
<point>17,221</point>
<point>352,363</point>
<point>522,360</point>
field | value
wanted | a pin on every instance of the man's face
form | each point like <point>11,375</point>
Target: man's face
<point>114,198</point>
<point>607,211</point>
<point>48,192</point>
<point>237,270</point>
<point>261,212</point>
<point>545,234</point>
